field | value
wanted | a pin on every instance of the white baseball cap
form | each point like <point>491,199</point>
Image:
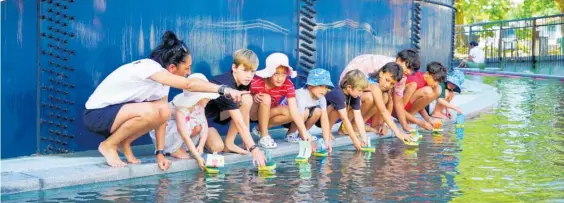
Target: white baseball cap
<point>188,99</point>
<point>272,62</point>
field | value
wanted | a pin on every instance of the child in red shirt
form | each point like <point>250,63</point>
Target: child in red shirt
<point>269,87</point>
<point>422,88</point>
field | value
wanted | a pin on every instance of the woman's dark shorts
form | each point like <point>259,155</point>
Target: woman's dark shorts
<point>100,121</point>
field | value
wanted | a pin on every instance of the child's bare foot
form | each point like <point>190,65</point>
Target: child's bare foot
<point>111,155</point>
<point>180,154</point>
<point>128,153</point>
<point>235,149</point>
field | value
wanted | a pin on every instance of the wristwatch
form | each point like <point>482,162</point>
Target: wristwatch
<point>159,152</point>
<point>221,90</point>
<point>252,148</point>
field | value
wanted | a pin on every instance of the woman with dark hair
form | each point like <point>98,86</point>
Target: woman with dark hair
<point>133,100</point>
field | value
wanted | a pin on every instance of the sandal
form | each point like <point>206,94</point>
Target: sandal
<point>293,137</point>
<point>267,142</point>
<point>313,138</point>
<point>255,132</point>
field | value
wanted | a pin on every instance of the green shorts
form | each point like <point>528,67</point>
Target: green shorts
<point>470,64</point>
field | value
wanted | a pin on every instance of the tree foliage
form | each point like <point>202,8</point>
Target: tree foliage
<point>476,11</point>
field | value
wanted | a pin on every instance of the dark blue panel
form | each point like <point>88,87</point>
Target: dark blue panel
<point>19,78</point>
<point>346,29</point>
<point>436,34</point>
<point>109,35</point>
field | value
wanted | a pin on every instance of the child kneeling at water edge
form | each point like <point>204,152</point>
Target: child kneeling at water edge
<point>312,105</point>
<point>187,125</point>
<point>344,103</point>
<point>452,85</point>
<point>269,87</point>
<point>382,81</point>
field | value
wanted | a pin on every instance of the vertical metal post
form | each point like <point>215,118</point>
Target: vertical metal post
<point>499,45</point>
<point>470,36</point>
<point>452,40</point>
<point>533,43</point>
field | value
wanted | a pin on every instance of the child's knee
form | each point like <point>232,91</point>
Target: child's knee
<point>247,101</point>
<point>216,146</point>
<point>266,99</point>
<point>427,92</point>
<point>316,113</point>
<point>305,115</point>
<point>367,98</point>
<point>157,113</point>
<point>449,96</point>
<point>196,130</point>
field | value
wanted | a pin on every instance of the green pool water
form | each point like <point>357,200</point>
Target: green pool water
<point>512,153</point>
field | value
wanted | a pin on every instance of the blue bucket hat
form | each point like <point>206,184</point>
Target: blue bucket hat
<point>318,77</point>
<point>456,77</point>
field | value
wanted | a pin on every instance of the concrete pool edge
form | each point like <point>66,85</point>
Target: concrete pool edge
<point>56,171</point>
<point>500,72</point>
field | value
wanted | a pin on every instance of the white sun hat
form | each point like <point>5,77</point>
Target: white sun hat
<point>188,99</point>
<point>272,62</point>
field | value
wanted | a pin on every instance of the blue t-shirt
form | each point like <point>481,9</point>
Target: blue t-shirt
<point>337,98</point>
<point>223,103</point>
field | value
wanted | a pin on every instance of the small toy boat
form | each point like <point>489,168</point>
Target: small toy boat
<point>305,151</point>
<point>270,166</point>
<point>214,162</point>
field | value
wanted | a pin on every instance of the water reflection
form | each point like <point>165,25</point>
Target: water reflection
<point>512,153</point>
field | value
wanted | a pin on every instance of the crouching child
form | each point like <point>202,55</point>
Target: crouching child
<point>187,125</point>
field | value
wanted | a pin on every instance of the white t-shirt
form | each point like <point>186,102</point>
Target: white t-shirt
<point>304,100</point>
<point>370,63</point>
<point>478,55</point>
<point>129,83</point>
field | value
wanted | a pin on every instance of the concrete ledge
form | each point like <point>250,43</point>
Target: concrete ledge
<point>496,71</point>
<point>48,172</point>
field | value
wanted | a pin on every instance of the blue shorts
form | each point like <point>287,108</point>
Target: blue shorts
<point>100,121</point>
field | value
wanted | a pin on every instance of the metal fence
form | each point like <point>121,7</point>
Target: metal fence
<point>523,40</point>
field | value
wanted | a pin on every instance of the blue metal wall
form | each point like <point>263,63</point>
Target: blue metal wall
<point>53,59</point>
<point>346,29</point>
<point>436,33</point>
<point>19,78</point>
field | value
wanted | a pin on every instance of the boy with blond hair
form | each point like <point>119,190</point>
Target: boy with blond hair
<point>222,110</point>
<point>343,103</point>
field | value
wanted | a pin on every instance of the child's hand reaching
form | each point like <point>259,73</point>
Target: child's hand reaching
<point>459,111</point>
<point>363,141</point>
<point>258,98</point>
<point>408,137</point>
<point>201,162</point>
<point>200,149</point>
<point>426,125</point>
<point>328,146</point>
<point>307,137</point>
<point>382,130</point>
